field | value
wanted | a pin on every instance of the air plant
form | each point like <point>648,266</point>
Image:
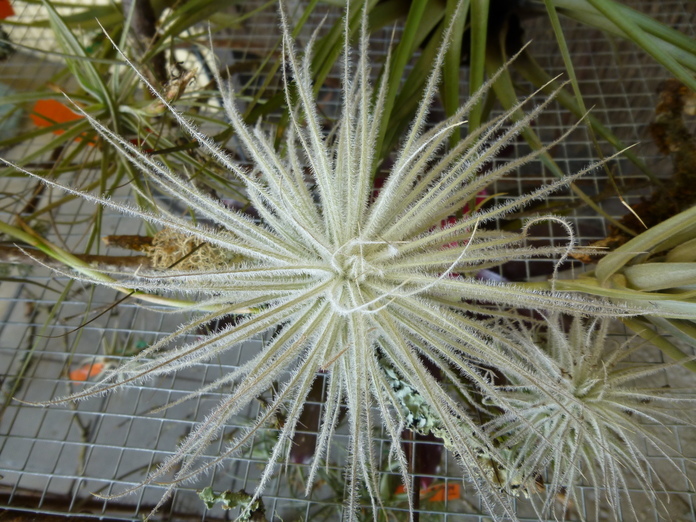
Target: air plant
<point>597,425</point>
<point>366,288</point>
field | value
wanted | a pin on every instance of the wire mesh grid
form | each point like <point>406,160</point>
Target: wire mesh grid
<point>53,459</point>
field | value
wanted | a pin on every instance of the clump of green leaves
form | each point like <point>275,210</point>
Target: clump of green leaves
<point>656,270</point>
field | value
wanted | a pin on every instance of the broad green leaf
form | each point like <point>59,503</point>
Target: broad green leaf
<point>82,69</point>
<point>451,73</point>
<point>636,33</point>
<point>580,9</point>
<point>617,290</point>
<point>684,253</point>
<point>409,97</point>
<point>400,58</point>
<point>477,55</point>
<point>643,329</point>
<point>660,276</point>
<point>666,235</point>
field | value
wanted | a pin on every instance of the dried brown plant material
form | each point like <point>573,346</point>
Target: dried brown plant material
<point>172,249</point>
<point>129,242</point>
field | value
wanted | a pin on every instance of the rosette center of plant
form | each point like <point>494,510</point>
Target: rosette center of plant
<point>359,270</point>
<point>355,261</point>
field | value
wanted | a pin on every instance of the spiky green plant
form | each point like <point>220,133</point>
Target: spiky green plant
<point>596,426</point>
<point>348,282</point>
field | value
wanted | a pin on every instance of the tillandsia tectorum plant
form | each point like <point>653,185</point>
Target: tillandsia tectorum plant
<point>348,281</point>
<point>595,427</point>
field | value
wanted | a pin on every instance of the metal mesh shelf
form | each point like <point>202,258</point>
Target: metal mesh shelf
<point>52,459</point>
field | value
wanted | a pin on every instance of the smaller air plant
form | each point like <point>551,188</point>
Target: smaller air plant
<point>584,417</point>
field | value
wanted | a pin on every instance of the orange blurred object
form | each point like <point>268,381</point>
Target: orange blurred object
<point>436,492</point>
<point>49,112</point>
<point>6,9</point>
<point>86,371</point>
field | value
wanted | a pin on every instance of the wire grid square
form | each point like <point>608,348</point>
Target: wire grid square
<point>53,459</point>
